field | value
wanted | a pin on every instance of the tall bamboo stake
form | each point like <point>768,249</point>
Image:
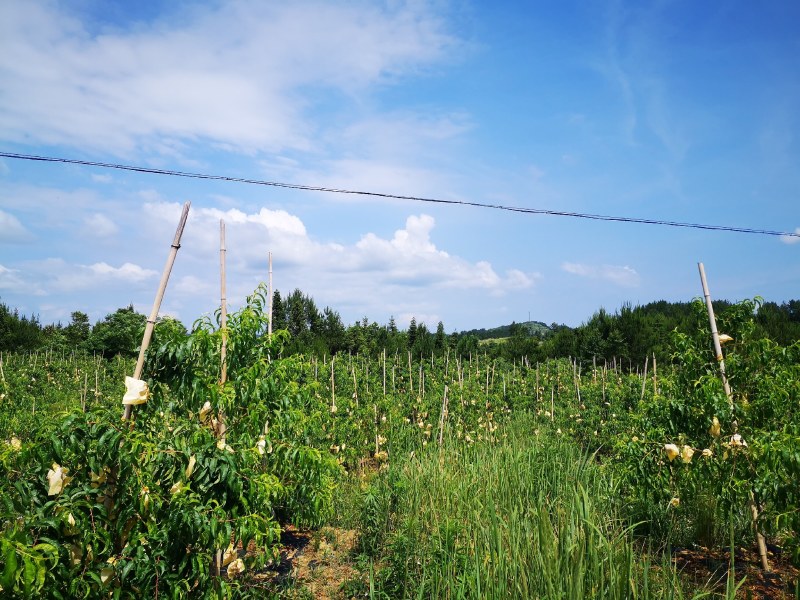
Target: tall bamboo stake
<point>604,383</point>
<point>443,416</point>
<point>355,384</point>
<point>223,375</point>
<point>333,386</point>
<point>644,377</point>
<point>655,376</point>
<point>162,287</point>
<point>762,546</point>
<point>410,380</point>
<point>715,335</point>
<point>223,317</point>
<point>270,292</point>
<point>375,420</point>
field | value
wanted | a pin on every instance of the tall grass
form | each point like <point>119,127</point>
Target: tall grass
<point>528,517</point>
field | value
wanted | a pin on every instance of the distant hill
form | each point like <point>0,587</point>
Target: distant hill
<point>534,329</point>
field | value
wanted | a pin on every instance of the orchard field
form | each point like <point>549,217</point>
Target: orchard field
<point>454,475</point>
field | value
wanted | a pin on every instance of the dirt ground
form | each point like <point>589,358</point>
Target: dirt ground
<point>706,566</point>
<point>316,564</point>
<point>313,564</point>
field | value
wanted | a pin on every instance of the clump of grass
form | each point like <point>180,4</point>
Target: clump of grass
<point>529,517</point>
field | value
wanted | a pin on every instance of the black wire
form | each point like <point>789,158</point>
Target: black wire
<point>312,188</point>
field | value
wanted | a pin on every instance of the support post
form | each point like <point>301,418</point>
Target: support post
<point>762,546</point>
<point>162,287</point>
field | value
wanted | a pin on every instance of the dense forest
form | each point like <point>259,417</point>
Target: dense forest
<point>627,335</point>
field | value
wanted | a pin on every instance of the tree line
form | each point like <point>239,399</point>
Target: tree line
<point>628,335</point>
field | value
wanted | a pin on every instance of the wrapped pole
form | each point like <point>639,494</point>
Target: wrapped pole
<point>151,321</point>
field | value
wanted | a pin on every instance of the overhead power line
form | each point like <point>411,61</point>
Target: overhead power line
<point>313,188</point>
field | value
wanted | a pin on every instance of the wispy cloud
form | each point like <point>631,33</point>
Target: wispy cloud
<point>619,275</point>
<point>244,62</point>
<point>10,279</point>
<point>789,239</point>
<point>12,230</point>
<point>69,278</point>
<point>100,225</point>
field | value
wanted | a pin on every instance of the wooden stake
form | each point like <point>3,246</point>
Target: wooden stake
<point>223,375</point>
<point>223,317</point>
<point>162,287</point>
<point>270,292</point>
<point>355,384</point>
<point>443,416</point>
<point>762,546</point>
<point>333,386</point>
<point>715,335</point>
<point>655,376</point>
<point>644,377</point>
<point>410,380</point>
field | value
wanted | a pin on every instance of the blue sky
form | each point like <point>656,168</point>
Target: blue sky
<point>681,111</point>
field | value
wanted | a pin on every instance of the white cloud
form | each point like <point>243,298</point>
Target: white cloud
<point>98,178</point>
<point>191,284</point>
<point>234,74</point>
<point>619,275</point>
<point>790,239</point>
<point>66,277</point>
<point>100,225</point>
<point>11,230</point>
<point>391,273</point>
<point>10,279</point>
<point>127,272</point>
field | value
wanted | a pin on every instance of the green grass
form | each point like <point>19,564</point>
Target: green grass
<point>531,517</point>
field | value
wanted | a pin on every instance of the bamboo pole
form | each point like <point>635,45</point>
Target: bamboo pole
<point>605,366</point>
<point>655,376</point>
<point>355,383</point>
<point>162,287</point>
<point>223,318</point>
<point>644,377</point>
<point>762,546</point>
<point>375,419</point>
<point>85,391</point>
<point>443,416</point>
<point>270,292</point>
<point>223,374</point>
<point>333,386</point>
<point>410,380</point>
<point>715,335</point>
